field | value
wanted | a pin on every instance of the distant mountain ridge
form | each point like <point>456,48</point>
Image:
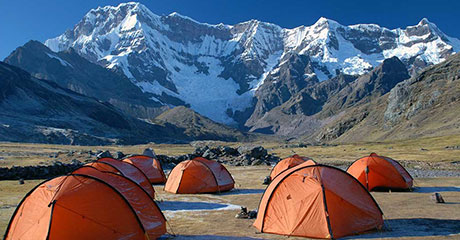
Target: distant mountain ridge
<point>130,76</point>
<point>221,71</point>
<point>70,70</point>
<point>35,110</point>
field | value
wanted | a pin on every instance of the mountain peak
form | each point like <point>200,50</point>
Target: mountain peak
<point>424,21</point>
<point>392,64</point>
<point>430,25</point>
<point>321,20</point>
<point>106,13</point>
<point>127,5</point>
<point>176,58</point>
<point>130,4</point>
<point>34,44</point>
<point>178,15</point>
<point>325,21</point>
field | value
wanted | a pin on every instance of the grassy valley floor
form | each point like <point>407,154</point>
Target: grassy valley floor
<point>408,215</point>
<point>425,153</point>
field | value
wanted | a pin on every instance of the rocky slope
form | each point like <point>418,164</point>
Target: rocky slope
<point>427,104</point>
<point>235,74</point>
<point>315,106</point>
<point>70,70</point>
<point>198,127</point>
<point>35,110</point>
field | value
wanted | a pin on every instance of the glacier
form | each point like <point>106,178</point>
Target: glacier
<point>218,68</point>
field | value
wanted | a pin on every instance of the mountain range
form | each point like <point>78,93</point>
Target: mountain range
<point>182,61</point>
<point>323,82</point>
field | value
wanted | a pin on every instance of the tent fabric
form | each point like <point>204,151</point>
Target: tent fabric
<point>317,201</point>
<point>376,171</point>
<point>150,166</point>
<point>102,166</point>
<point>199,175</point>
<point>148,212</point>
<point>287,163</point>
<point>80,206</point>
<point>126,169</point>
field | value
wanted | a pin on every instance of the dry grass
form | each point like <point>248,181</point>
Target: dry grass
<point>407,150</point>
<point>25,154</point>
<point>11,194</point>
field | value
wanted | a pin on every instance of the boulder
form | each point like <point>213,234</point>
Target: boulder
<point>104,154</point>
<point>209,154</point>
<point>267,180</point>
<point>199,151</point>
<point>437,198</point>
<point>257,162</point>
<point>76,162</point>
<point>255,152</point>
<point>149,152</point>
<point>119,155</point>
<point>228,151</point>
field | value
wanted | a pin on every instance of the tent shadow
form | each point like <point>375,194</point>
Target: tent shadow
<point>415,227</point>
<point>193,206</point>
<point>436,189</point>
<point>207,237</point>
<point>242,191</point>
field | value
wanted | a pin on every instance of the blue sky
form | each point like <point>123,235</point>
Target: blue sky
<point>23,20</point>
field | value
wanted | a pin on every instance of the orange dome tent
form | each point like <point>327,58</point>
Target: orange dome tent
<point>287,163</point>
<point>102,166</point>
<point>382,172</point>
<point>150,166</point>
<point>317,201</point>
<point>126,169</point>
<point>87,205</point>
<point>199,175</point>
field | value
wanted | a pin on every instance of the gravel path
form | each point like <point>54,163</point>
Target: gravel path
<point>422,173</point>
<point>425,173</point>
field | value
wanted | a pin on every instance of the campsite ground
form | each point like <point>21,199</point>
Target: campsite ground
<point>410,215</point>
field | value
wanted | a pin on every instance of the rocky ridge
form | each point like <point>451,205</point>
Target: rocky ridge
<point>426,104</point>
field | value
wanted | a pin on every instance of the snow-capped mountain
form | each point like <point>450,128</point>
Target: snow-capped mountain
<point>219,69</point>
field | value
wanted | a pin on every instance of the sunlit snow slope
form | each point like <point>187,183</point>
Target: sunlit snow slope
<point>217,69</point>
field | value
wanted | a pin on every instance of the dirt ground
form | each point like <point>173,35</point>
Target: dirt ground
<point>408,215</point>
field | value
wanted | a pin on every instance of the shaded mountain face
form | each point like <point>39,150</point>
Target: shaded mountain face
<point>70,70</point>
<point>305,112</point>
<point>427,104</point>
<point>236,74</point>
<point>35,110</point>
<point>198,127</point>
<point>368,86</point>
